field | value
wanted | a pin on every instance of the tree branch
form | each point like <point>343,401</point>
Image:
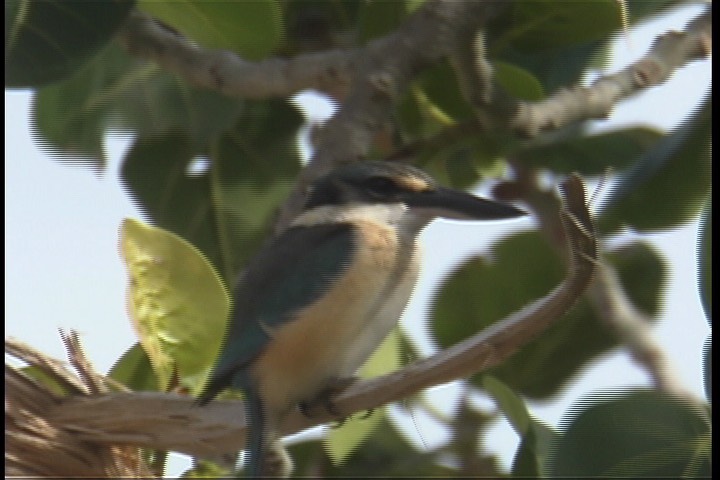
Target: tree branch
<point>634,329</point>
<point>228,73</point>
<point>383,72</point>
<point>670,51</point>
<point>171,422</point>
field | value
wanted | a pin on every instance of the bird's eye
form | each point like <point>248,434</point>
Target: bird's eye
<point>381,186</point>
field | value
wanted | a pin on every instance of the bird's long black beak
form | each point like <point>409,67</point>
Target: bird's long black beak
<point>449,203</point>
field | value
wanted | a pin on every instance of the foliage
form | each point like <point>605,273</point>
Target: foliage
<point>208,223</point>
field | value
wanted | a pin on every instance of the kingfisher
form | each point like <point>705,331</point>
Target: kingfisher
<point>314,303</point>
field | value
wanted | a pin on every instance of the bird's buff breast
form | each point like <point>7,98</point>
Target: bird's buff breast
<point>332,338</point>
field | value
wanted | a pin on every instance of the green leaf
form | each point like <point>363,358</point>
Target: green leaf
<point>252,29</point>
<point>342,441</point>
<point>535,448</point>
<point>41,377</point>
<point>255,166</point>
<point>115,91</point>
<point>518,82</point>
<point>557,68</point>
<point>634,434</point>
<point>669,184</point>
<point>315,25</point>
<point>524,268</point>
<point>439,84</point>
<point>177,303</point>
<point>549,24</point>
<point>135,371</point>
<point>591,155</point>
<point>642,272</point>
<point>46,41</point>
<point>387,453</point>
<point>206,469</point>
<point>155,173</point>
<point>481,291</point>
<point>70,118</point>
<point>537,437</point>
<point>509,402</point>
<point>379,17</point>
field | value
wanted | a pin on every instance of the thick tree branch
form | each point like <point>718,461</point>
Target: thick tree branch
<point>165,421</point>
<point>386,68</point>
<point>669,52</point>
<point>228,73</point>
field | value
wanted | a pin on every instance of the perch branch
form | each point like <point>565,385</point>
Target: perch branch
<point>166,421</point>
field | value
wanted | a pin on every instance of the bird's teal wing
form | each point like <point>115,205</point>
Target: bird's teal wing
<point>284,277</point>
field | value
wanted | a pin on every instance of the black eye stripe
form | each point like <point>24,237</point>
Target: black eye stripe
<point>381,185</point>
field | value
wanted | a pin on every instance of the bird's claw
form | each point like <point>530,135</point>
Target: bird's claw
<point>324,398</point>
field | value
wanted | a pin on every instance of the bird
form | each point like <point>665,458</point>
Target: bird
<point>313,304</point>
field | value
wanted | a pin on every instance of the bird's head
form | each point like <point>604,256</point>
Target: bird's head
<point>400,192</point>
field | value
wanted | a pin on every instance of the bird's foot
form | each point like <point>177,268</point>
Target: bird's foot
<point>324,399</point>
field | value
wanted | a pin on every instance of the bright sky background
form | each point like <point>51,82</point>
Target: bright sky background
<point>63,269</point>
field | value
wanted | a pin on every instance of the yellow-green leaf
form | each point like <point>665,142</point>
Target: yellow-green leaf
<point>253,29</point>
<point>176,301</point>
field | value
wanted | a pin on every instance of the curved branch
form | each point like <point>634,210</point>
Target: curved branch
<point>171,422</point>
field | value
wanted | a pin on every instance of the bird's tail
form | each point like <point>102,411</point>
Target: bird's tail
<point>266,457</point>
<point>255,433</point>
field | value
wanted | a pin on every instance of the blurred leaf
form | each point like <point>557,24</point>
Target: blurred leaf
<point>555,41</point>
<point>634,434</point>
<point>115,91</point>
<point>549,24</point>
<point>639,10</point>
<point>534,451</point>
<point>255,165</point>
<point>705,261</point>
<point>205,469</point>
<point>252,29</point>
<point>555,67</point>
<point>177,302</point>
<point>155,173</point>
<point>386,453</point>
<point>558,68</point>
<point>379,17</point>
<point>342,441</point>
<point>481,292</point>
<point>668,185</point>
<point>439,84</point>
<point>511,405</point>
<point>591,155</point>
<point>70,118</point>
<point>518,82</point>
<point>315,25</point>
<point>41,377</point>
<point>47,40</point>
<point>643,273</point>
<point>134,370</point>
